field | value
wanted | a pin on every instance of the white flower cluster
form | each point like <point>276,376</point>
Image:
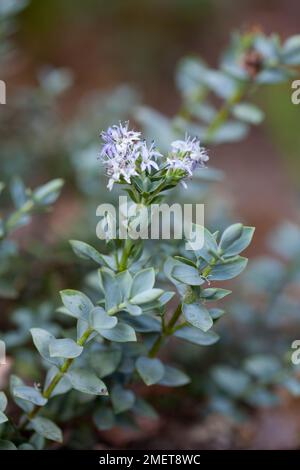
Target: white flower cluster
<point>125,153</point>
<point>187,155</point>
<point>122,148</point>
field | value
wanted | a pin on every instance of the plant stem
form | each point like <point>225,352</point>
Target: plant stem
<point>223,114</point>
<point>167,331</point>
<point>57,378</point>
<point>125,255</point>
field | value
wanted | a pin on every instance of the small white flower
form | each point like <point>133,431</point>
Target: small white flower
<point>187,155</point>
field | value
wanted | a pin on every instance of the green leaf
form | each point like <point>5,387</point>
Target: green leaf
<point>42,339</point>
<point>197,336</point>
<point>248,112</point>
<point>231,380</point>
<point>66,348</point>
<point>216,313</point>
<point>104,419</point>
<point>232,268</point>
<point>63,385</point>
<point>198,316</point>
<point>30,394</point>
<point>100,320</point>
<point>174,377</point>
<point>23,404</point>
<point>230,235</point>
<point>49,192</point>
<point>7,445</point>
<point>78,304</point>
<point>142,281</point>
<point>85,251</point>
<point>263,367</point>
<point>122,400</point>
<point>106,362</point>
<point>187,275</point>
<point>146,296</point>
<point>86,382</point>
<point>144,323</point>
<point>213,293</point>
<point>121,333</point>
<point>134,310</point>
<point>150,370</point>
<point>241,243</point>
<point>110,288</point>
<point>124,281</point>
<point>3,417</point>
<point>46,428</point>
<point>3,401</point>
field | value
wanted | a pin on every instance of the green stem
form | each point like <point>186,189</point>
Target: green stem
<point>125,255</point>
<point>57,378</point>
<point>167,331</point>
<point>223,114</point>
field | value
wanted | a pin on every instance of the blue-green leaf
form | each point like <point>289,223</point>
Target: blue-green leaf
<point>46,428</point>
<point>29,394</point>
<point>197,336</point>
<point>150,370</point>
<point>100,320</point>
<point>66,348</point>
<point>86,381</point>
<point>198,316</point>
<point>122,399</point>
<point>78,304</point>
<point>121,333</point>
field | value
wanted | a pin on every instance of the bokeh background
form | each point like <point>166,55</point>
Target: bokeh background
<point>113,56</point>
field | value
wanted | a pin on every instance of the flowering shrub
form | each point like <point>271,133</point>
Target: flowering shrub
<point>129,306</point>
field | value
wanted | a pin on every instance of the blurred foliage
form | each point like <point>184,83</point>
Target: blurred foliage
<point>252,362</point>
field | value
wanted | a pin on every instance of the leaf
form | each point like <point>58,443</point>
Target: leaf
<point>241,243</point>
<point>23,404</point>
<point>150,370</point>
<point>63,385</point>
<point>47,429</point>
<point>104,419</point>
<point>230,235</point>
<point>213,294</point>
<point>7,445</point>
<point>121,333</point>
<point>66,348</point>
<point>134,310</point>
<point>187,275</point>
<point>228,270</point>
<point>198,316</point>
<point>124,281</point>
<point>100,320</point>
<point>146,296</point>
<point>248,112</point>
<point>30,394</point>
<point>49,192</point>
<point>142,281</point>
<point>110,288</point>
<point>3,417</point>
<point>291,50</point>
<point>231,380</point>
<point>85,251</point>
<point>78,304</point>
<point>122,400</point>
<point>144,323</point>
<point>174,377</point>
<point>86,382</point>
<point>3,401</point>
<point>263,367</point>
<point>42,339</point>
<point>106,362</point>
<point>216,313</point>
<point>197,336</point>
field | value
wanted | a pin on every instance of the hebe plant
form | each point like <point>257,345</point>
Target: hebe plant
<point>121,328</point>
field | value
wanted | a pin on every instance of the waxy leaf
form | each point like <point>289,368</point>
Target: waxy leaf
<point>121,333</point>
<point>30,394</point>
<point>66,348</point>
<point>122,399</point>
<point>100,320</point>
<point>78,304</point>
<point>46,428</point>
<point>87,382</point>
<point>150,370</point>
<point>198,316</point>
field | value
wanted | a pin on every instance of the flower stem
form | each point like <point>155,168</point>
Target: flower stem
<point>125,255</point>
